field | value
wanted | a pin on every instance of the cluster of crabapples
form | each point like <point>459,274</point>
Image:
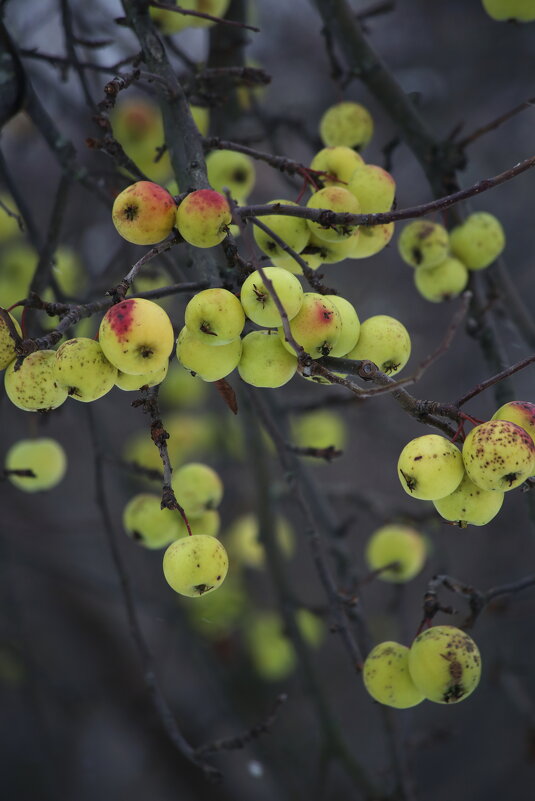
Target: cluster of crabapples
<point>468,486</point>
<point>443,663</point>
<point>443,260</point>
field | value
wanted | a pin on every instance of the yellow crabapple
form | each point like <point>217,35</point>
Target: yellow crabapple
<point>430,467</point>
<point>258,303</point>
<point>338,162</point>
<point>423,243</point>
<point>350,326</point>
<point>136,336</point>
<point>506,10</point>
<point>520,412</point>
<point>499,455</point>
<point>398,544</point>
<point>214,316</point>
<point>469,504</point>
<point>373,187</point>
<point>444,281</point>
<point>384,341</point>
<point>348,124</point>
<point>293,231</point>
<point>203,217</point>
<point>44,456</point>
<point>245,547</point>
<point>144,213</point>
<point>445,664</point>
<point>196,565</point>
<point>146,522</point>
<point>83,370</point>
<point>336,199</point>
<point>387,678</point>
<point>33,386</point>
<point>229,170</point>
<point>316,327</point>
<point>264,361</point>
<point>207,362</point>
<point>371,240</point>
<point>197,488</point>
<point>478,241</point>
<point>130,383</point>
<point>7,343</point>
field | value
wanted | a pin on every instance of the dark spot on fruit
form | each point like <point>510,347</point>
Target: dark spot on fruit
<point>202,588</point>
<point>206,329</point>
<point>453,693</point>
<point>409,481</point>
<point>239,175</point>
<point>145,352</point>
<point>131,212</point>
<point>417,458</point>
<point>136,536</point>
<point>416,254</point>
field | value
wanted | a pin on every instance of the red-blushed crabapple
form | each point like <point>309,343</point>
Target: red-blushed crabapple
<point>144,213</point>
<point>203,217</point>
<point>137,336</point>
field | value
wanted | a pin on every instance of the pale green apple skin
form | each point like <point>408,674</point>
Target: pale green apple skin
<point>520,412</point>
<point>334,252</point>
<point>396,543</point>
<point>33,387</point>
<point>147,523</point>
<point>384,341</point>
<point>144,213</point>
<point>348,124</point>
<point>208,523</point>
<point>372,239</point>
<point>445,664</point>
<point>257,302</point>
<point>244,546</point>
<point>387,678</point>
<point>445,281</point>
<point>196,565</point>
<point>337,199</point>
<point>505,10</point>
<point>470,505</point>
<point>19,261</point>
<point>7,344</point>
<point>271,652</point>
<point>338,162</point>
<point>138,127</point>
<point>265,362</point>
<point>130,383</point>
<point>499,455</point>
<point>83,370</point>
<point>374,188</point>
<point>317,326</point>
<point>430,467</point>
<point>207,362</point>
<point>44,456</point>
<point>423,243</point>
<point>203,218</point>
<point>136,336</point>
<point>68,271</point>
<point>320,429</point>
<point>233,171</point>
<point>350,326</point>
<point>293,231</point>
<point>197,488</point>
<point>478,241</point>
<point>180,388</point>
<point>215,317</point>
<point>287,262</point>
